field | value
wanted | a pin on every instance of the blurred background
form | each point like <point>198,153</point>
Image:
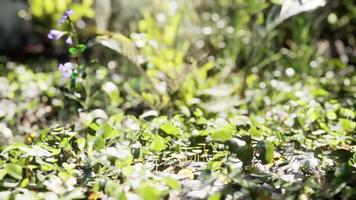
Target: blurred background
<point>216,55</point>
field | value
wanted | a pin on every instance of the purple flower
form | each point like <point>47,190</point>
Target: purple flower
<point>67,69</point>
<point>55,34</point>
<point>69,40</point>
<point>66,16</point>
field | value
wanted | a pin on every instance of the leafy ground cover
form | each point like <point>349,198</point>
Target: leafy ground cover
<point>263,149</point>
<point>246,108</point>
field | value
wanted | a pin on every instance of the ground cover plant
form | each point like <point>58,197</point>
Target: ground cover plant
<point>225,99</point>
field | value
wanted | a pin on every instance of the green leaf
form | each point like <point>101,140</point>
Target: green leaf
<point>120,44</point>
<point>79,49</point>
<point>215,196</point>
<point>170,129</point>
<point>81,143</point>
<point>347,125</point>
<point>114,190</point>
<point>343,171</point>
<point>99,143</point>
<point>254,132</point>
<point>94,126</point>
<point>14,170</point>
<point>172,183</point>
<point>279,2</point>
<point>149,192</point>
<point>3,173</point>
<point>341,155</point>
<point>266,150</point>
<point>245,154</point>
<point>113,92</point>
<point>158,144</point>
<point>104,131</point>
<point>223,134</point>
<point>331,115</point>
<point>349,114</point>
<point>35,151</point>
<point>24,183</point>
<point>198,113</point>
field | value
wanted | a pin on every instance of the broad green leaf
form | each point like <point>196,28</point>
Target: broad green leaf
<point>24,183</point>
<point>245,154</point>
<point>198,113</point>
<point>94,126</point>
<point>349,114</point>
<point>170,129</point>
<point>35,151</point>
<point>113,92</point>
<point>158,144</point>
<point>279,2</point>
<point>343,171</point>
<point>81,143</point>
<point>79,49</point>
<point>254,132</point>
<point>341,155</point>
<point>149,192</point>
<point>172,183</point>
<point>215,196</point>
<point>14,170</point>
<point>104,131</point>
<point>120,44</point>
<point>266,151</point>
<point>347,125</point>
<point>331,115</point>
<point>3,173</point>
<point>223,134</point>
<point>99,143</point>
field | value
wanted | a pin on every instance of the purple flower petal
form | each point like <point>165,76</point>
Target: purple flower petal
<point>67,69</point>
<point>66,16</point>
<point>69,40</point>
<point>55,34</point>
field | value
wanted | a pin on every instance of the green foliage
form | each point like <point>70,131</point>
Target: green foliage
<point>222,99</point>
<point>50,11</point>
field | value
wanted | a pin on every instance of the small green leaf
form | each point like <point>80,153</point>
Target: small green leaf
<point>113,92</point>
<point>245,154</point>
<point>254,132</point>
<point>349,114</point>
<point>158,144</point>
<point>3,173</point>
<point>347,125</point>
<point>99,143</point>
<point>343,171</point>
<point>223,134</point>
<point>266,151</point>
<point>215,196</point>
<point>120,44</point>
<point>24,183</point>
<point>14,170</point>
<point>170,129</point>
<point>149,192</point>
<point>73,50</point>
<point>198,113</point>
<point>94,126</point>
<point>79,49</point>
<point>104,131</point>
<point>331,115</point>
<point>172,183</point>
<point>81,143</point>
<point>341,155</point>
